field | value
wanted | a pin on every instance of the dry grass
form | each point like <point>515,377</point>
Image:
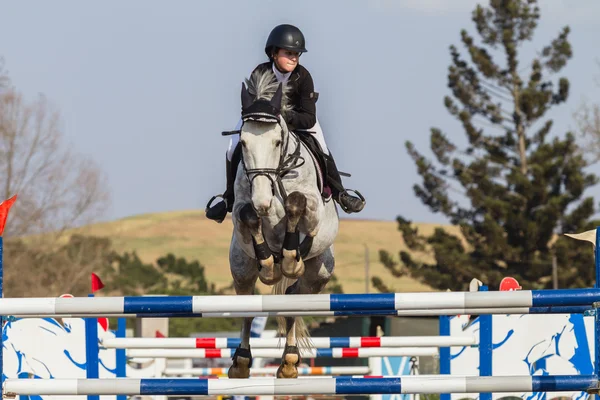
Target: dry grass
<point>189,234</point>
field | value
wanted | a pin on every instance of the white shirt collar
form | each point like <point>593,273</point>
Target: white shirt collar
<point>281,77</point>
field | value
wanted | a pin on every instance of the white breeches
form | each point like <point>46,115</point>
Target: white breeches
<point>318,134</point>
<point>233,140</point>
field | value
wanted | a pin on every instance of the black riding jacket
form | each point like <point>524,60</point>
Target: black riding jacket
<point>302,96</point>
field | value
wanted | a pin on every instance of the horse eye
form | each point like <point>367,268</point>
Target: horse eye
<point>243,143</point>
<point>277,143</point>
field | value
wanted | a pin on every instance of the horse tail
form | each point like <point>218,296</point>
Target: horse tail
<point>300,328</point>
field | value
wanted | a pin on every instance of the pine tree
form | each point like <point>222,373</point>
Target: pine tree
<point>511,187</point>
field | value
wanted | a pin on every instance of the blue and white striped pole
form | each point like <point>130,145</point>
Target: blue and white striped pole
<point>298,303</point>
<point>581,309</point>
<point>411,384</point>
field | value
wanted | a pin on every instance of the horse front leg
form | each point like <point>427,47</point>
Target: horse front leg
<point>269,273</point>
<point>298,208</point>
<point>292,265</point>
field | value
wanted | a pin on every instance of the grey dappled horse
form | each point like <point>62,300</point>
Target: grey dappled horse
<point>283,229</point>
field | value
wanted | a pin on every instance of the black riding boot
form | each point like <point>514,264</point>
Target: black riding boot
<point>348,203</point>
<point>219,211</point>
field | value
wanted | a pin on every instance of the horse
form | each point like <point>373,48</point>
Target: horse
<point>278,201</point>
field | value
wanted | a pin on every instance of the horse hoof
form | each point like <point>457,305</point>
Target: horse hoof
<point>270,275</point>
<point>290,267</point>
<point>240,368</point>
<point>288,368</point>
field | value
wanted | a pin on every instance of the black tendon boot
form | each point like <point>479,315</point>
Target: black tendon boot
<point>348,203</point>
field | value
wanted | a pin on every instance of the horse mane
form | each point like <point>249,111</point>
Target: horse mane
<point>263,84</point>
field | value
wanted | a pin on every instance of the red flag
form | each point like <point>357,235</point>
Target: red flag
<point>158,334</point>
<point>103,323</point>
<point>4,208</point>
<point>96,283</point>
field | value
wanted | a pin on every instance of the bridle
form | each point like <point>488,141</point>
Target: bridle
<point>287,163</point>
<point>263,110</point>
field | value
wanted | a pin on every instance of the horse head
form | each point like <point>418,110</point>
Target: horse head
<point>264,137</point>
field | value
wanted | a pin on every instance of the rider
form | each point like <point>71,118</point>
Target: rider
<point>284,47</point>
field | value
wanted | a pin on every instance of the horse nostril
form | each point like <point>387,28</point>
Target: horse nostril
<point>262,208</point>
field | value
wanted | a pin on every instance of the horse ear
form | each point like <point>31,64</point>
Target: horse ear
<point>277,97</point>
<point>247,99</point>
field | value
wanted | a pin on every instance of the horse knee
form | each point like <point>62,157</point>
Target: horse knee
<point>250,218</point>
<point>295,204</point>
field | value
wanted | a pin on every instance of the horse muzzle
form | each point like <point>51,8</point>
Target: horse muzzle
<point>262,207</point>
<point>262,195</point>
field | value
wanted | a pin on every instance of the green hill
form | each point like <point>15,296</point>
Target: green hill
<point>189,234</point>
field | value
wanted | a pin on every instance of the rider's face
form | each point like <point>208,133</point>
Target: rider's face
<point>286,60</point>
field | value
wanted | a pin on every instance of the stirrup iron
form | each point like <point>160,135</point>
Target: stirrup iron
<point>348,191</point>
<point>209,204</point>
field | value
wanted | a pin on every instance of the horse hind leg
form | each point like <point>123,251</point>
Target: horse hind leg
<point>291,353</point>
<point>242,358</point>
<point>292,265</point>
<point>296,333</point>
<point>244,272</point>
<point>270,273</point>
<point>318,273</point>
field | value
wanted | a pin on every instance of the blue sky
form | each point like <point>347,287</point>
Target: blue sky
<point>146,87</point>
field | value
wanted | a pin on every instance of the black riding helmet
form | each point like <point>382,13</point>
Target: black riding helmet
<point>286,37</point>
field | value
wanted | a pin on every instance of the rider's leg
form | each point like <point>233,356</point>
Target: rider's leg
<point>348,202</point>
<point>219,211</point>
<point>317,133</point>
<point>233,142</point>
